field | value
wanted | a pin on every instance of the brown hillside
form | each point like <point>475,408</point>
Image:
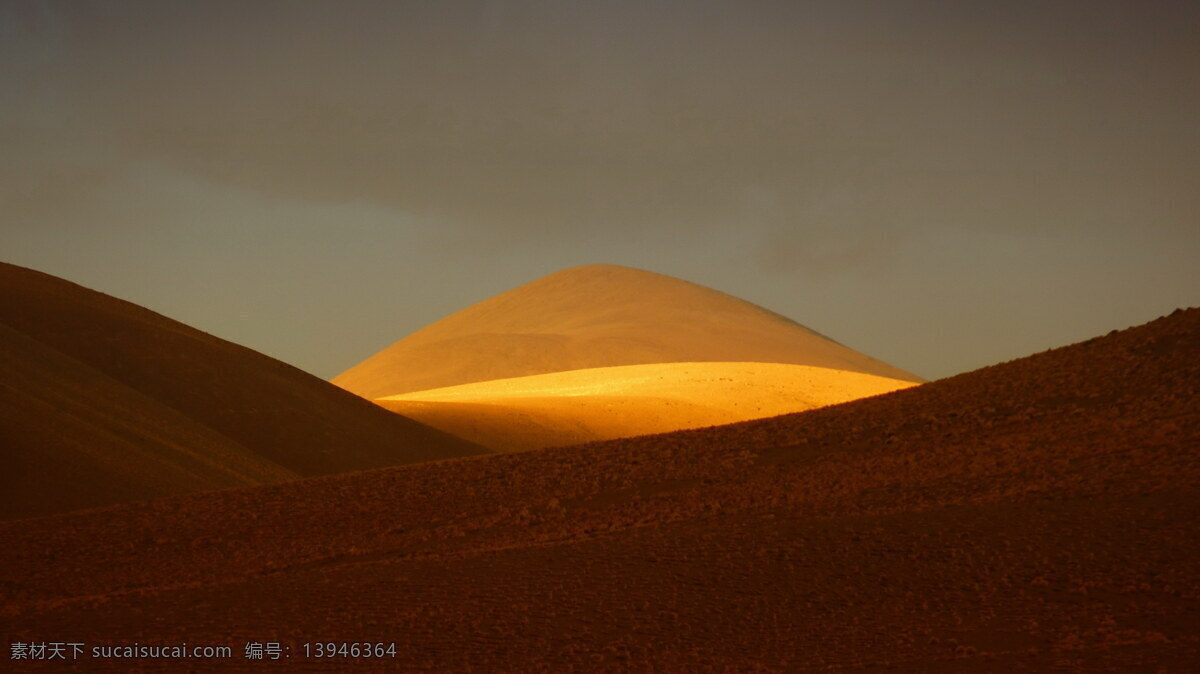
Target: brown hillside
<point>105,401</point>
<point>596,316</point>
<point>1038,515</point>
<point>75,438</point>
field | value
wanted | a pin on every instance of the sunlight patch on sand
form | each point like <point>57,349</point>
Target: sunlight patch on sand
<point>564,408</point>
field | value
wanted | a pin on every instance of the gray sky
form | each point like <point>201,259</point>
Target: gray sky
<point>941,185</point>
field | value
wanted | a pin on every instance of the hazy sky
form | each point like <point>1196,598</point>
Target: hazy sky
<point>942,185</point>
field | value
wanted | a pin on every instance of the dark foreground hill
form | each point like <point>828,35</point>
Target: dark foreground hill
<point>103,401</point>
<point>1038,515</point>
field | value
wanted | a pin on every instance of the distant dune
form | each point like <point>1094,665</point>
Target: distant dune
<point>103,401</point>
<point>565,408</point>
<point>1038,515</point>
<point>596,316</point>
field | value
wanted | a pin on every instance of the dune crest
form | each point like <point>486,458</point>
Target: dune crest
<point>596,316</point>
<point>565,408</point>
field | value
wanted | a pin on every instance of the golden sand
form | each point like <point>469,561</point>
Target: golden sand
<point>592,317</point>
<point>565,408</point>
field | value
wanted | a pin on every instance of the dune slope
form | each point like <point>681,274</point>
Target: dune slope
<point>565,408</point>
<point>105,401</point>
<point>75,438</point>
<point>596,316</point>
<point>1038,515</point>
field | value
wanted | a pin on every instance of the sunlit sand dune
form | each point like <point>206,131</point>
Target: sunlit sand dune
<point>565,408</point>
<point>596,316</point>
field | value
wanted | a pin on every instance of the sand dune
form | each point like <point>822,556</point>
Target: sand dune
<point>596,316</point>
<point>103,401</point>
<point>565,408</point>
<point>75,438</point>
<point>1038,515</point>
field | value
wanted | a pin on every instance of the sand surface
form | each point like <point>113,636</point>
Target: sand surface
<point>596,316</point>
<point>75,438</point>
<point>103,401</point>
<point>1038,515</point>
<point>565,408</point>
